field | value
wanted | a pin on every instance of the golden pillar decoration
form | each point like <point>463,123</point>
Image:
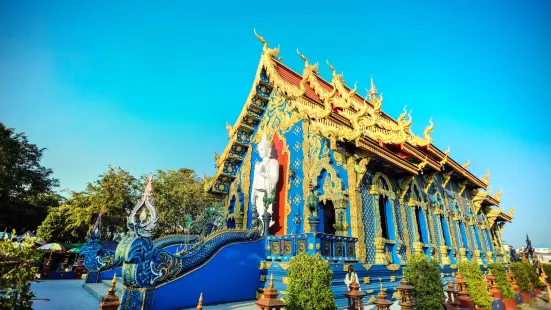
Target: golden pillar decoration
<point>305,170</point>
<point>356,209</point>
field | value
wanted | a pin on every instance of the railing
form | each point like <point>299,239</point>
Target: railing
<point>331,247</point>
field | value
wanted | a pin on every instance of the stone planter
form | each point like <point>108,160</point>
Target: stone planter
<point>509,304</point>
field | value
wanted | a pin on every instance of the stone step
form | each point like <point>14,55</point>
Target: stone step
<point>98,290</point>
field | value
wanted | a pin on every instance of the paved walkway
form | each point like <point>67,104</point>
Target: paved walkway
<point>62,295</point>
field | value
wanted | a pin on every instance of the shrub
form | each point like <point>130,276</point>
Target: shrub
<point>521,277</point>
<point>502,280</point>
<point>17,270</point>
<point>547,269</point>
<point>475,283</point>
<point>309,284</point>
<point>534,280</point>
<point>425,277</point>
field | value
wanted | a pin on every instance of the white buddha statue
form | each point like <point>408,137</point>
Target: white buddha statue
<point>266,175</point>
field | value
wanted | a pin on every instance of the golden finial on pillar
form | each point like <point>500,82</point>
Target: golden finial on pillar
<point>200,304</point>
<point>270,301</point>
<point>382,303</point>
<point>110,301</point>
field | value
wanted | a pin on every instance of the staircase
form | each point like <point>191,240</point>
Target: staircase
<point>98,290</point>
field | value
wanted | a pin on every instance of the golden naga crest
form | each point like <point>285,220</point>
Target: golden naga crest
<point>268,51</point>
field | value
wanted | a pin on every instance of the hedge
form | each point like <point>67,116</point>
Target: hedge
<point>425,277</point>
<point>309,284</point>
<point>475,283</point>
<point>502,280</point>
<point>534,280</point>
<point>521,277</point>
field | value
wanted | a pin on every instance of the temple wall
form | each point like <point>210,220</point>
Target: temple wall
<point>449,229</point>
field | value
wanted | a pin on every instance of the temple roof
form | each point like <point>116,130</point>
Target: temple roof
<point>341,115</point>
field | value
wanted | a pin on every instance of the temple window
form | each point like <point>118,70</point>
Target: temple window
<point>382,215</point>
<point>419,230</point>
<point>328,217</point>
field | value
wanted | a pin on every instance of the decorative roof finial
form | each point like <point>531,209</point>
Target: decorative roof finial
<point>271,281</point>
<point>143,225</point>
<point>467,164</point>
<point>486,177</point>
<point>268,51</point>
<point>372,91</point>
<point>445,159</point>
<point>498,195</point>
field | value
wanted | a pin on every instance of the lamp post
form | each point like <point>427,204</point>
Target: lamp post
<point>405,289</point>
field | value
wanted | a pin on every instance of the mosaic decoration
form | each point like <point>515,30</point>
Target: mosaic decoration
<point>368,218</point>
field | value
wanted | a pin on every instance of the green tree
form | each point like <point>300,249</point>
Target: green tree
<point>423,274</point>
<point>26,187</point>
<point>475,283</point>
<point>309,284</point>
<point>115,192</point>
<point>502,280</point>
<point>177,194</point>
<point>52,228</point>
<point>18,267</point>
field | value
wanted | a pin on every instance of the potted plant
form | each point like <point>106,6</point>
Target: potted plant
<point>423,274</point>
<point>503,285</point>
<point>309,284</point>
<point>475,284</point>
<point>522,279</point>
<point>534,280</point>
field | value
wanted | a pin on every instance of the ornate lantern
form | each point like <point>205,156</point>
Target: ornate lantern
<point>452,303</point>
<point>354,295</point>
<point>465,300</point>
<point>405,289</point>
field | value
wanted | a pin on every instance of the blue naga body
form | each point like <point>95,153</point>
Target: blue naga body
<point>147,266</point>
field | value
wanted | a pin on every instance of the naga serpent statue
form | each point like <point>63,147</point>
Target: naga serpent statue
<point>97,258</point>
<point>147,264</point>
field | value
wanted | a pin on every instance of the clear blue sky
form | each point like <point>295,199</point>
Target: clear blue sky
<point>149,86</point>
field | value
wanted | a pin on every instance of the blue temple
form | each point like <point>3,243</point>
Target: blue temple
<point>353,184</point>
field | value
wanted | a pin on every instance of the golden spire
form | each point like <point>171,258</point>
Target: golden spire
<point>467,164</point>
<point>271,281</point>
<point>372,91</point>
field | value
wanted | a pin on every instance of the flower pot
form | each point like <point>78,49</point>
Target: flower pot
<point>526,297</point>
<point>538,291</point>
<point>509,304</point>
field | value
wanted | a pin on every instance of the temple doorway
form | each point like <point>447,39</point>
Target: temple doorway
<point>328,217</point>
